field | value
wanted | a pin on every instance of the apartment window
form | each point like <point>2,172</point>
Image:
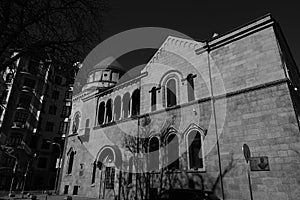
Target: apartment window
<point>66,188</point>
<point>195,155</point>
<point>45,144</point>
<point>68,95</point>
<point>109,177</point>
<point>135,102</point>
<point>21,117</point>
<point>63,127</point>
<point>172,152</point>
<point>153,98</point>
<point>24,100</point>
<point>42,162</point>
<point>52,110</point>
<point>101,113</point>
<point>66,111</point>
<point>29,83</point>
<point>75,190</point>
<point>55,94</point>
<point>190,87</point>
<point>49,126</point>
<point>171,93</point>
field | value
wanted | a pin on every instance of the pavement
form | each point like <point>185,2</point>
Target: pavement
<point>41,196</point>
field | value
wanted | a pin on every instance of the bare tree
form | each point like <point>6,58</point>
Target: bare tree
<point>66,29</point>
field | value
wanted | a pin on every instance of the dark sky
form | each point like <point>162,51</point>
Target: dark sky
<point>198,19</point>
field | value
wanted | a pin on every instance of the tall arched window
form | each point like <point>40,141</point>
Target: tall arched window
<point>70,162</point>
<point>117,108</point>
<point>109,110</point>
<point>101,113</point>
<point>171,93</point>
<point>126,104</point>
<point>190,87</point>
<point>173,152</point>
<point>76,122</point>
<point>195,156</point>
<point>135,102</point>
<point>153,154</point>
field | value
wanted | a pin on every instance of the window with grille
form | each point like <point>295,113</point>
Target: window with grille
<point>65,111</point>
<point>109,177</point>
<point>16,140</point>
<point>63,127</point>
<point>49,126</point>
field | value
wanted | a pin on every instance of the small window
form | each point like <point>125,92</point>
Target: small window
<point>76,122</point>
<point>135,102</point>
<point>109,177</point>
<point>68,95</point>
<point>16,140</point>
<point>49,126</point>
<point>66,188</point>
<point>153,99</point>
<point>190,87</point>
<point>126,104</point>
<point>108,111</point>
<point>52,110</point>
<point>171,93</point>
<point>55,95</point>
<point>75,190</point>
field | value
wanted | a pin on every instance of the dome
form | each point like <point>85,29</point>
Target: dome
<point>109,63</point>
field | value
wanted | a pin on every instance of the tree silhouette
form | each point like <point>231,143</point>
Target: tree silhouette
<point>65,29</point>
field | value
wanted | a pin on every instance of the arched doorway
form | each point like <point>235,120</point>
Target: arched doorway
<point>109,160</point>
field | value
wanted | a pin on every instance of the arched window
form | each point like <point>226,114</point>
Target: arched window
<point>135,102</point>
<point>117,108</point>
<point>190,87</point>
<point>126,104</point>
<point>76,122</point>
<point>101,113</point>
<point>70,162</point>
<point>108,111</point>
<point>195,156</point>
<point>171,93</point>
<point>153,154</point>
<point>173,152</point>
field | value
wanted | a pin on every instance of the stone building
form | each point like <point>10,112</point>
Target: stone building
<point>35,106</point>
<point>182,122</point>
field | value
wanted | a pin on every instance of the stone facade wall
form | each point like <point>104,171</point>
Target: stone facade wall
<point>249,103</point>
